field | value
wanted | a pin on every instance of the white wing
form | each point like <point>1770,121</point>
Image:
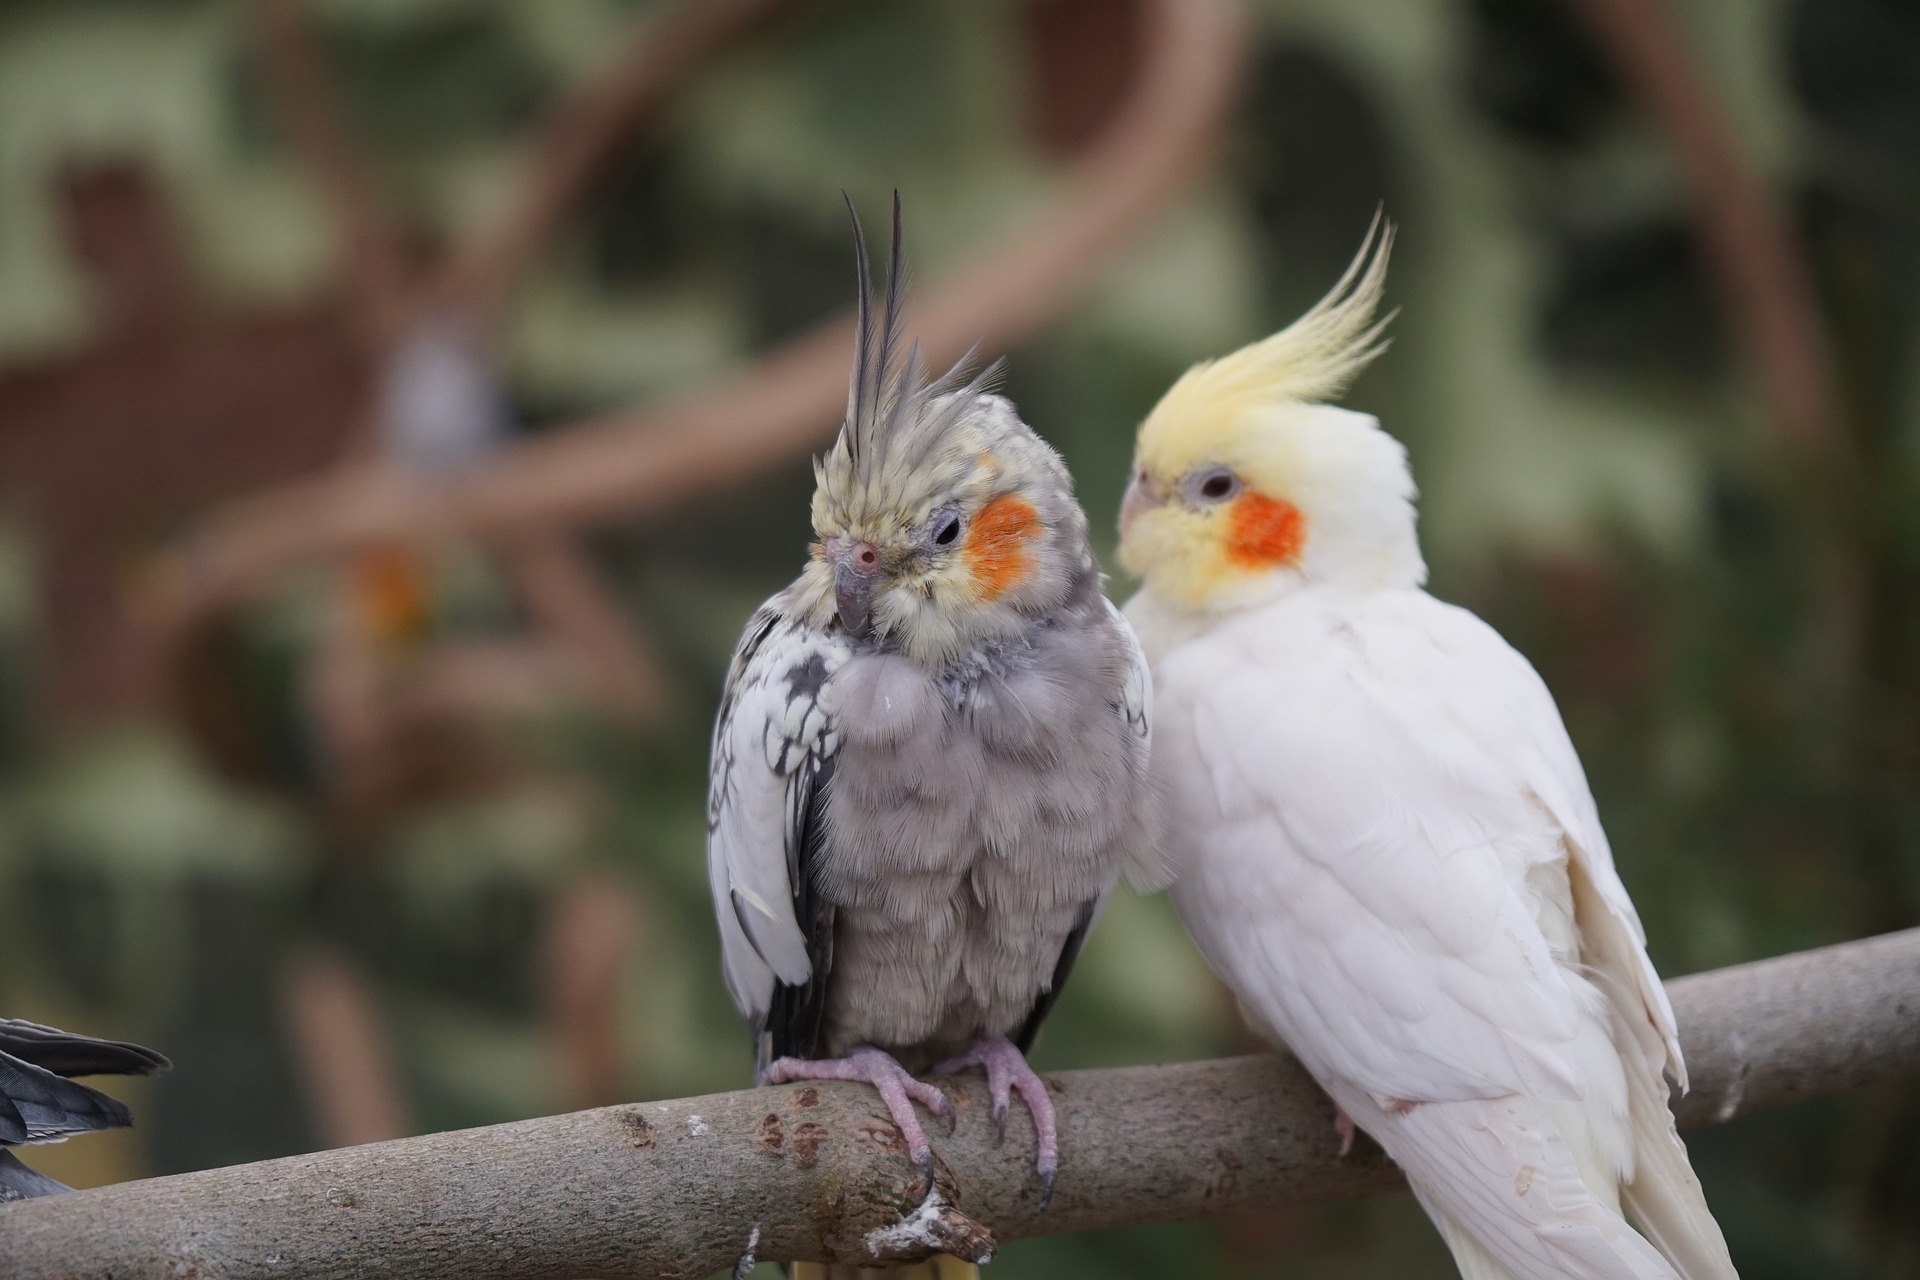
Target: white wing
<point>774,734</point>
<point>1372,794</point>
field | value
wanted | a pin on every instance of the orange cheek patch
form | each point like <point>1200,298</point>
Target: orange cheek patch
<point>997,544</point>
<point>1263,532</point>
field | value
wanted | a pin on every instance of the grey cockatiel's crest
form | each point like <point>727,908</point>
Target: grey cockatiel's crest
<point>929,767</point>
<point>40,1103</point>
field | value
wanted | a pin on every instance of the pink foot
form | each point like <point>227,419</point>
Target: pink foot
<point>896,1088</point>
<point>1343,1125</point>
<point>1007,1071</point>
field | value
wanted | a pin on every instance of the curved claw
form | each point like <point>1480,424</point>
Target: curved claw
<point>1007,1074</point>
<point>924,1159</point>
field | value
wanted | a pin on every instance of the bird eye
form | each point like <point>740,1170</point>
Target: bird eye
<point>1217,485</point>
<point>948,533</point>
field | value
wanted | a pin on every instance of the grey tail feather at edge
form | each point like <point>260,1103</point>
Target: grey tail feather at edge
<point>18,1182</point>
<point>69,1054</point>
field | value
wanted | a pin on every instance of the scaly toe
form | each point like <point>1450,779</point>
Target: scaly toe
<point>954,1066</point>
<point>930,1097</point>
<point>897,1088</point>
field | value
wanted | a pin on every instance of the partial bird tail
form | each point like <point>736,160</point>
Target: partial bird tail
<point>67,1053</point>
<point>17,1182</point>
<point>1505,1189</point>
<point>38,1103</point>
<point>939,1267</point>
<point>1665,1197</point>
<point>38,1106</point>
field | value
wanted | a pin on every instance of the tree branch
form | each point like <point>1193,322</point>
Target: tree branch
<point>678,1188</point>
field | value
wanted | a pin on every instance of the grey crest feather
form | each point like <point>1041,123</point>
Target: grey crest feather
<point>896,414</point>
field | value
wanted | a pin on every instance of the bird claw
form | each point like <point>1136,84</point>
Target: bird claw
<point>897,1089</point>
<point>1343,1125</point>
<point>923,1158</point>
<point>1007,1074</point>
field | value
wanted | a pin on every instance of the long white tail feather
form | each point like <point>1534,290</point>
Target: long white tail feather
<point>1499,1172</point>
<point>1473,1262</point>
<point>1662,1193</point>
<point>1665,1197</point>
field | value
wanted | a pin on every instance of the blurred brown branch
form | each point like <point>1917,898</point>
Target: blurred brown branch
<point>580,138</point>
<point>679,1188</point>
<point>626,464</point>
<point>591,935</point>
<point>1766,293</point>
<point>353,1087</point>
<point>372,250</point>
<point>582,647</point>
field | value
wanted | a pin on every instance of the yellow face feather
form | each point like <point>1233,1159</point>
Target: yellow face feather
<point>1242,477</point>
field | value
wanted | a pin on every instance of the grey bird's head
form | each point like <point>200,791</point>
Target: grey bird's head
<point>943,521</point>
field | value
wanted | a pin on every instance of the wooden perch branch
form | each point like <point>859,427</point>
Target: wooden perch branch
<point>678,1188</point>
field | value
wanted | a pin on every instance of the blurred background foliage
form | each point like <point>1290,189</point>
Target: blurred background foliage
<point>1734,640</point>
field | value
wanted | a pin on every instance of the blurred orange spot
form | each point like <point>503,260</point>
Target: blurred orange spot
<point>1264,532</point>
<point>390,593</point>
<point>996,545</point>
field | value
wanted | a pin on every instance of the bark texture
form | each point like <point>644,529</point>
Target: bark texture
<point>682,1188</point>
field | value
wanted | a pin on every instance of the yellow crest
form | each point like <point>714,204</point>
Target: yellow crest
<point>1311,360</point>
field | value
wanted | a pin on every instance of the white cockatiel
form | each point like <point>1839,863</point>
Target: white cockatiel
<point>1387,843</point>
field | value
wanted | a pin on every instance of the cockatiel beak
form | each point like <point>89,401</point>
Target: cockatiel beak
<point>1142,496</point>
<point>856,571</point>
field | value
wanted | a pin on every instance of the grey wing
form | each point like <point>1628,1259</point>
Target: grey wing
<point>773,746</point>
<point>1063,967</point>
<point>38,1106</point>
<point>1150,868</point>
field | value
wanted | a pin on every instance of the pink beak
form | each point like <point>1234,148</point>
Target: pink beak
<point>1142,496</point>
<point>856,567</point>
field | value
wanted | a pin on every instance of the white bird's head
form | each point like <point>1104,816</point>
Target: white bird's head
<point>1246,485</point>
<point>944,522</point>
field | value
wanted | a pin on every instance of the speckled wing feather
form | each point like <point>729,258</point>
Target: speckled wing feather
<point>773,750</point>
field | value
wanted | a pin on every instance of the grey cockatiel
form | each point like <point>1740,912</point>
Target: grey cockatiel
<point>39,1103</point>
<point>929,767</point>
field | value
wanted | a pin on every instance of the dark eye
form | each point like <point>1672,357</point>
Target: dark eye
<point>1216,485</point>
<point>948,532</point>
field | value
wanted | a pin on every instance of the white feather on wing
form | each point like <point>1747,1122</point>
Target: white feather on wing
<point>775,730</point>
